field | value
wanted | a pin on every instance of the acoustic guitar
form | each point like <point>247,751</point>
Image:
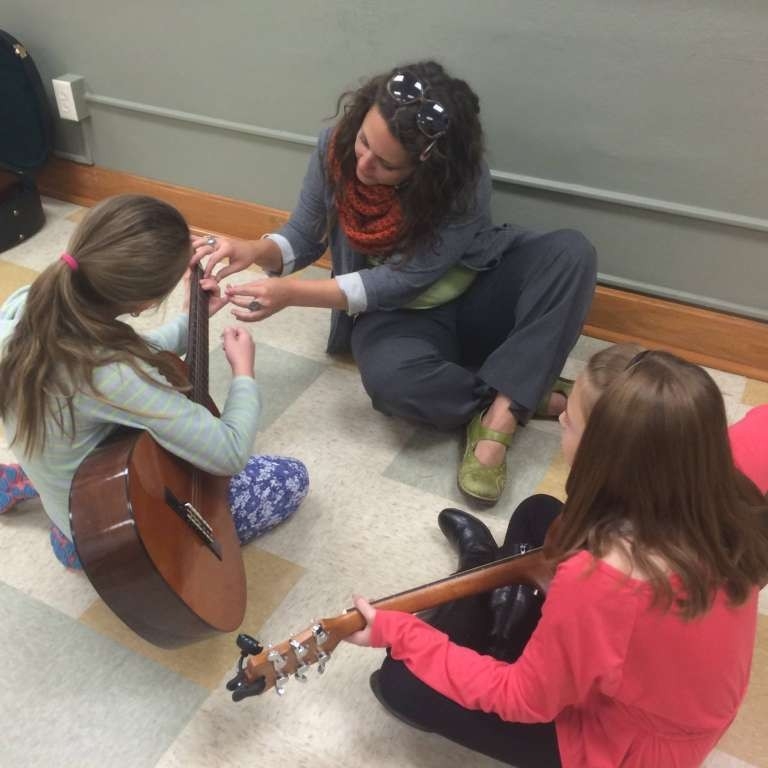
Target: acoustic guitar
<point>155,534</point>
<point>259,669</point>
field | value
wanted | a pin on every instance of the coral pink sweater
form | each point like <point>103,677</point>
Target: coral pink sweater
<point>749,442</point>
<point>625,683</point>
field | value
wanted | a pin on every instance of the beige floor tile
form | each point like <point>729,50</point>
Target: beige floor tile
<point>77,215</point>
<point>735,409</point>
<point>27,562</point>
<point>763,605</point>
<point>731,384</point>
<point>12,277</point>
<point>311,727</point>
<point>720,759</point>
<point>270,578</point>
<point>46,245</point>
<point>554,481</point>
<point>362,532</point>
<point>755,392</point>
<point>747,738</point>
<point>61,209</point>
<point>332,424</point>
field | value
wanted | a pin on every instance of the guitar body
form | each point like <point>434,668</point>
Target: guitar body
<point>153,567</point>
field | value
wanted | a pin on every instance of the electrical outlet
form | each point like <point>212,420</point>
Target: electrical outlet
<point>69,91</point>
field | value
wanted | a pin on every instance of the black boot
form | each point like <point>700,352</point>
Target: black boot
<point>470,536</point>
<point>465,621</point>
<point>516,611</point>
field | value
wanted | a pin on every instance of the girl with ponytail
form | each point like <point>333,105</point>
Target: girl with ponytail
<point>72,371</point>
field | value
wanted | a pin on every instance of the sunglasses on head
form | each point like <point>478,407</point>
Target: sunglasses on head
<point>637,358</point>
<point>431,119</point>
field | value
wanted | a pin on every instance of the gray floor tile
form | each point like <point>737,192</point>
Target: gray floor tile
<point>429,461</point>
<point>71,697</point>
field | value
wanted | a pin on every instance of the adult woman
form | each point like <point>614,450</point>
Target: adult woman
<point>661,549</point>
<point>451,320</point>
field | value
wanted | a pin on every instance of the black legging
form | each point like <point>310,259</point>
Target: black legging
<point>467,622</point>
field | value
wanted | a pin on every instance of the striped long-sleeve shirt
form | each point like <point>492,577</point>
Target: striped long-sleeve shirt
<point>220,446</point>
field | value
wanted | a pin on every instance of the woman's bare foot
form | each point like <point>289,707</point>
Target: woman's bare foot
<point>499,418</point>
<point>557,403</point>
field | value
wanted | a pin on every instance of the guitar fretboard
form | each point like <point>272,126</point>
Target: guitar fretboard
<point>197,349</point>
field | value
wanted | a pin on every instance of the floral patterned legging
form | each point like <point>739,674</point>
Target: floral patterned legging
<point>269,490</point>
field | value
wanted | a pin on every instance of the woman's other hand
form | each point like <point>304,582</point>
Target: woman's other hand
<point>261,298</point>
<point>363,636</point>
<point>239,350</point>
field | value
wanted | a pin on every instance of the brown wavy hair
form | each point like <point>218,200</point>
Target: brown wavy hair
<point>131,250</point>
<point>442,187</point>
<point>654,471</point>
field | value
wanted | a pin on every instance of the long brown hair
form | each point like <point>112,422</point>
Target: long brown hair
<point>654,469</point>
<point>443,185</point>
<point>130,250</point>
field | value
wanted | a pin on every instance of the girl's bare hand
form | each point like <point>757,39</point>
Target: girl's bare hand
<point>239,350</point>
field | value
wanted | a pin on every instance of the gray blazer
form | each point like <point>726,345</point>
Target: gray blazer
<point>472,241</point>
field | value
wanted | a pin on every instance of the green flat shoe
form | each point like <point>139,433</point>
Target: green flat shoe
<point>479,480</point>
<point>562,386</point>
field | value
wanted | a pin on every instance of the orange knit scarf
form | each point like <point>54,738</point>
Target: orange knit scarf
<point>370,216</point>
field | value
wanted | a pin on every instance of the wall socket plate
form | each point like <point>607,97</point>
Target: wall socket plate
<point>69,91</point>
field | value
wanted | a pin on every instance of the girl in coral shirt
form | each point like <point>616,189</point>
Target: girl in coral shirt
<point>643,650</point>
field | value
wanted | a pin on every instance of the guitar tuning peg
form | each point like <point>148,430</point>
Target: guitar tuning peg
<point>321,636</point>
<point>299,650</point>
<point>322,660</point>
<point>301,673</point>
<point>277,660</point>
<point>280,681</point>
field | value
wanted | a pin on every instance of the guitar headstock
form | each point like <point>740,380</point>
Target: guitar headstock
<point>260,669</point>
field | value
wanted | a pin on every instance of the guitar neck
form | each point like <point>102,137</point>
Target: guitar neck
<point>260,669</point>
<point>531,568</point>
<point>197,344</point>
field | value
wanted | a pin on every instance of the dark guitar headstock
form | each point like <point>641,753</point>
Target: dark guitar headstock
<point>259,669</point>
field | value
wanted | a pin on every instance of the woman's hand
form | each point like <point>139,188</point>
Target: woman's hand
<point>262,298</point>
<point>239,350</point>
<point>240,254</point>
<point>363,636</point>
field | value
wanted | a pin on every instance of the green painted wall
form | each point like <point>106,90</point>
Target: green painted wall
<point>659,99</point>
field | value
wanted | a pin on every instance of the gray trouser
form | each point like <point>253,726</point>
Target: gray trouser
<point>511,332</point>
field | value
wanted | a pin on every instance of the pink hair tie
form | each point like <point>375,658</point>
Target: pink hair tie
<point>69,260</point>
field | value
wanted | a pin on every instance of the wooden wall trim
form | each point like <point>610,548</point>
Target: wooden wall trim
<point>704,336</point>
<point>87,184</point>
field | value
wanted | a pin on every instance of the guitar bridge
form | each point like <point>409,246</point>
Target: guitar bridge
<point>187,512</point>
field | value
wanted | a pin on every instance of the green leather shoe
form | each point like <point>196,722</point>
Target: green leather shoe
<point>479,480</point>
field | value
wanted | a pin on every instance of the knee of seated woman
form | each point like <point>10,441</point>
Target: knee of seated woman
<point>575,249</point>
<point>402,380</point>
<point>430,400</point>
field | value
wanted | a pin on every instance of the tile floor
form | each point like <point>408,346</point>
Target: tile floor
<point>79,690</point>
